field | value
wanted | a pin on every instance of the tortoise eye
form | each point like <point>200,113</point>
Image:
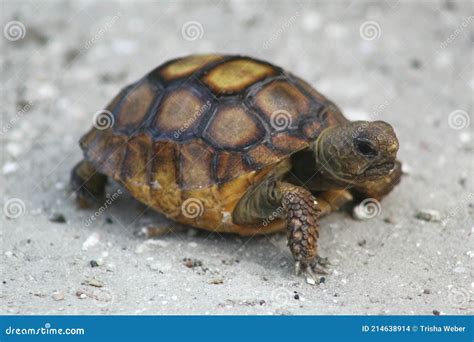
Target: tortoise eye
<point>365,148</point>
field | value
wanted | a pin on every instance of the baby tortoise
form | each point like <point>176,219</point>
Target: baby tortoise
<point>234,144</point>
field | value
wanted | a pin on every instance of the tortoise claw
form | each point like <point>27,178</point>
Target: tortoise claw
<point>297,268</point>
<point>324,262</point>
<point>320,265</point>
<point>317,266</point>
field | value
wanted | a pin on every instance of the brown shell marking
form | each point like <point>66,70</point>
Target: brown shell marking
<point>280,100</point>
<point>232,127</point>
<point>164,177</point>
<point>313,128</point>
<point>310,90</point>
<point>262,155</point>
<point>183,67</point>
<point>112,156</point>
<point>334,114</point>
<point>236,75</point>
<point>229,165</point>
<point>287,143</point>
<point>179,109</point>
<point>135,105</point>
<point>134,167</point>
<point>195,165</point>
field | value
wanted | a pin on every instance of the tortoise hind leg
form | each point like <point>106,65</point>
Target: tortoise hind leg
<point>87,183</point>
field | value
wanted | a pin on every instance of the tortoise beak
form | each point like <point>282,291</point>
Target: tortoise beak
<point>379,170</point>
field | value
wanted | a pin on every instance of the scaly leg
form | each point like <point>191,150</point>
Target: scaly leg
<point>296,205</point>
<point>302,214</point>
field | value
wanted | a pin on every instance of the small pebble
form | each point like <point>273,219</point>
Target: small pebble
<point>57,218</point>
<point>14,149</point>
<point>9,167</point>
<point>322,280</point>
<point>362,243</point>
<point>154,266</point>
<point>311,22</point>
<point>191,263</point>
<point>91,241</point>
<point>57,296</point>
<point>297,296</point>
<point>93,282</point>
<point>94,263</point>
<point>153,231</point>
<point>465,137</point>
<point>216,281</point>
<point>426,291</point>
<point>428,215</point>
<point>150,244</point>
<point>415,63</point>
<point>310,281</point>
<point>80,294</point>
<point>406,169</point>
<point>436,312</point>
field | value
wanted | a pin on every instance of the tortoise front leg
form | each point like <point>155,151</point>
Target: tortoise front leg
<point>297,206</point>
<point>302,215</point>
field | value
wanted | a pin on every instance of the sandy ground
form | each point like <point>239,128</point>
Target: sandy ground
<point>406,62</point>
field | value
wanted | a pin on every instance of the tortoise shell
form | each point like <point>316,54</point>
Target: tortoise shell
<point>210,118</point>
<point>196,133</point>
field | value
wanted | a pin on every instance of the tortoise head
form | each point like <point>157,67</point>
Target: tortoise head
<point>357,151</point>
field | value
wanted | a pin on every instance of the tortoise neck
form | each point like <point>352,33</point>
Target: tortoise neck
<point>326,177</point>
